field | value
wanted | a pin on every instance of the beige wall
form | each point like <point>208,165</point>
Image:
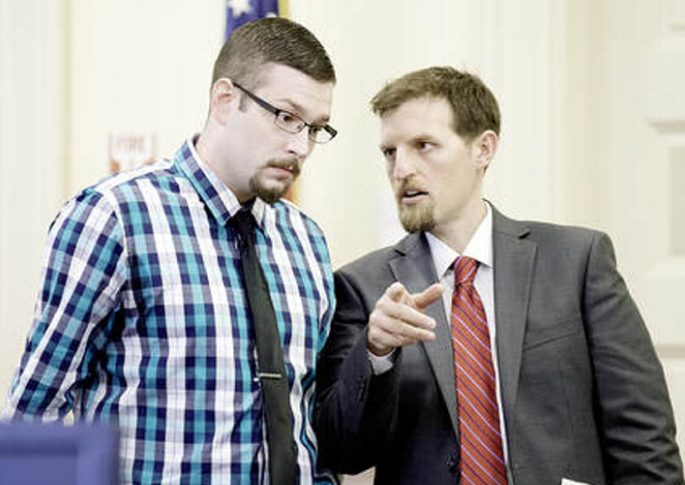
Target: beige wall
<point>32,144</point>
<point>137,66</point>
<point>72,71</point>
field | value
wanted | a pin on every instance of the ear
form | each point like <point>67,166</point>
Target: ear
<point>223,99</point>
<point>484,147</point>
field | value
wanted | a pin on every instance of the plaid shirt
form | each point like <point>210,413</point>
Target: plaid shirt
<point>142,322</point>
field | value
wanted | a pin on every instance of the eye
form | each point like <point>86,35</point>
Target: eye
<point>423,145</point>
<point>290,121</point>
<point>388,152</point>
<point>288,117</point>
<point>315,130</point>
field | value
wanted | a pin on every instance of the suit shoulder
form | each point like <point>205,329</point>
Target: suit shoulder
<point>366,278</point>
<point>562,235</point>
<point>369,265</point>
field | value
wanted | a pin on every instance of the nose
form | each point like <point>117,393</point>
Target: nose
<point>403,165</point>
<point>299,144</point>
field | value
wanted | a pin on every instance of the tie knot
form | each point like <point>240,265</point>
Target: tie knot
<point>243,222</point>
<point>465,269</point>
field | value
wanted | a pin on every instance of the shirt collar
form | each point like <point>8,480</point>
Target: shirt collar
<point>219,199</point>
<point>479,247</point>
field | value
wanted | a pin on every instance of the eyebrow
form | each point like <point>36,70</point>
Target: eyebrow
<point>297,109</point>
<point>422,136</point>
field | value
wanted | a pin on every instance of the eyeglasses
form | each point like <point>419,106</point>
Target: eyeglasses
<point>292,123</point>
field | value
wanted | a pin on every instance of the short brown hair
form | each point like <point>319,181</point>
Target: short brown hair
<point>474,107</point>
<point>272,40</point>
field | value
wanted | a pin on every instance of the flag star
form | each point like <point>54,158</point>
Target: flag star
<point>239,7</point>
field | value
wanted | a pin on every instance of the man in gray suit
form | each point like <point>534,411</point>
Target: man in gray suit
<point>480,349</point>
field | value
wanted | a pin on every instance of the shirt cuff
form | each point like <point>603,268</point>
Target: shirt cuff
<point>382,363</point>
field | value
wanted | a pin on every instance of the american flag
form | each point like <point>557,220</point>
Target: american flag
<point>239,12</point>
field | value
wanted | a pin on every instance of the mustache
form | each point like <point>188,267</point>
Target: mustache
<point>289,164</point>
<point>408,185</point>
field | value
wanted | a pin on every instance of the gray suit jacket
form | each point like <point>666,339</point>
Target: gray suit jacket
<point>582,390</point>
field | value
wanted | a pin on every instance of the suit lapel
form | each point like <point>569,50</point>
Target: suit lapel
<point>416,271</point>
<point>514,259</point>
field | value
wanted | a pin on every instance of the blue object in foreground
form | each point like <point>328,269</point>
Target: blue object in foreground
<point>41,454</point>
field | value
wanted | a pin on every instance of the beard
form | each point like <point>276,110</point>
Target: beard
<point>417,217</point>
<point>269,192</point>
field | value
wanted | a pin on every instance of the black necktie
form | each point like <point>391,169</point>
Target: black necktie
<point>270,367</point>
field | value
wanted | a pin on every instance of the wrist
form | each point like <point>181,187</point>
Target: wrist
<point>378,351</point>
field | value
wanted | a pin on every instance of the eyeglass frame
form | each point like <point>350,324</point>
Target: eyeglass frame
<point>332,132</point>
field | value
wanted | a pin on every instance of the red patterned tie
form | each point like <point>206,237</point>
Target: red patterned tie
<point>482,459</point>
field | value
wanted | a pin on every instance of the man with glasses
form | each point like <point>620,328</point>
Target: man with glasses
<point>148,317</point>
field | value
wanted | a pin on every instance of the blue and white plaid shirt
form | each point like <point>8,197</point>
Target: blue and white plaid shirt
<point>142,322</point>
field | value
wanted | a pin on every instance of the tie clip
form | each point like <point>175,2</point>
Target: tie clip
<point>267,375</point>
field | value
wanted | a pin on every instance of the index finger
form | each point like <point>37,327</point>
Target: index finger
<point>428,296</point>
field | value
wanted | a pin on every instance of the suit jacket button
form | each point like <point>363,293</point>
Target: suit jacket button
<point>453,463</point>
<point>360,390</point>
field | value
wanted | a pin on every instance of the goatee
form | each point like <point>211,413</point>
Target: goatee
<point>272,194</point>
<point>417,218</point>
<point>414,217</point>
